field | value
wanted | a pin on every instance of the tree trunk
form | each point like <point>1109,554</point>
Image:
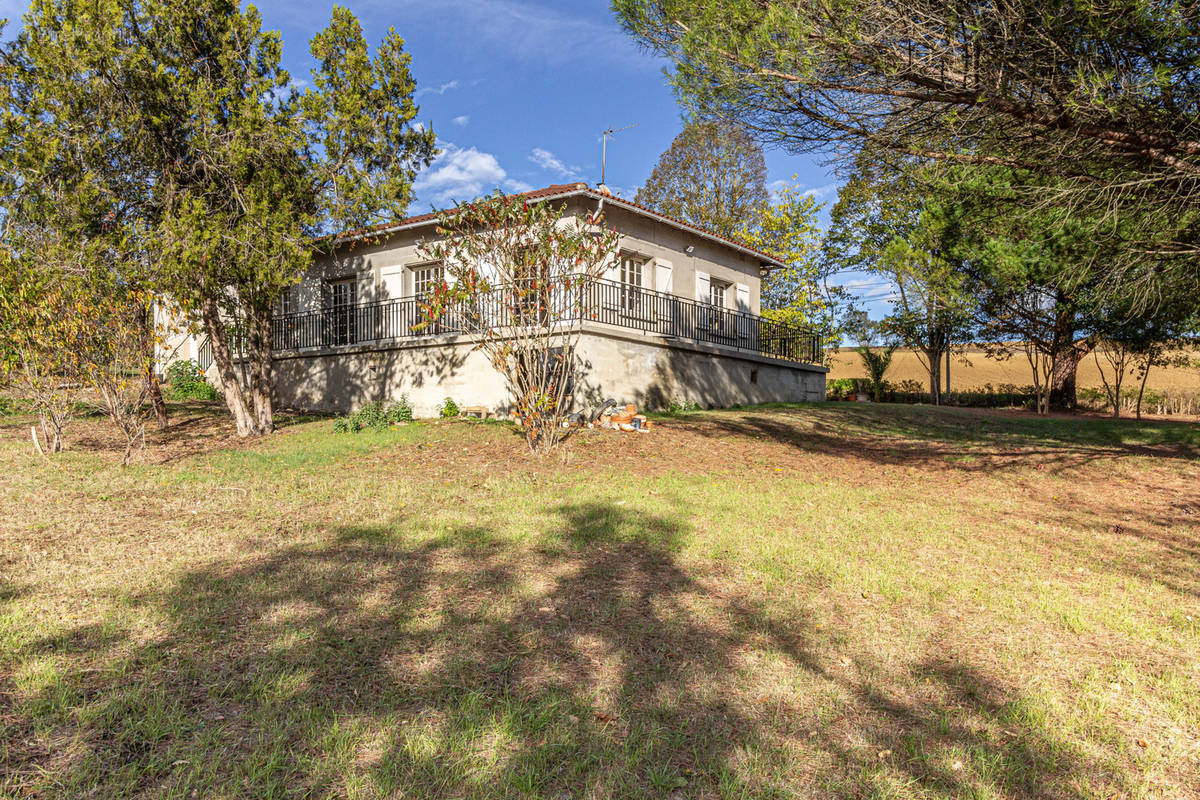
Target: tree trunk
<point>1142,388</point>
<point>154,390</point>
<point>1117,397</point>
<point>1067,355</point>
<point>934,357</point>
<point>246,423</point>
<point>1063,395</point>
<point>264,410</point>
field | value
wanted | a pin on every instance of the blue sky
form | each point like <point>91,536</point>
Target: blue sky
<point>518,92</point>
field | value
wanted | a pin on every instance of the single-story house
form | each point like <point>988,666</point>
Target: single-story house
<point>677,320</point>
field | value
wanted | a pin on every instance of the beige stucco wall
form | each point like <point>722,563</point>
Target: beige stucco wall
<point>370,262</point>
<point>174,340</point>
<point>657,240</point>
<point>627,366</point>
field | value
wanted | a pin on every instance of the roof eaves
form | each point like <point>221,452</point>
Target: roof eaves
<point>686,226</point>
<point>559,192</point>
<point>388,228</point>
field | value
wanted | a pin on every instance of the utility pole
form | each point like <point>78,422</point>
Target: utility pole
<point>604,147</point>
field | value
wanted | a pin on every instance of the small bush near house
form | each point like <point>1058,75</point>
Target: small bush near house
<point>448,409</point>
<point>375,416</point>
<point>400,411</point>
<point>186,381</point>
<point>841,388</point>
<point>682,407</point>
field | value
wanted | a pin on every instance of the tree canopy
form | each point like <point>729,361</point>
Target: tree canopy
<point>713,175</point>
<point>886,223</point>
<point>788,229</point>
<point>1095,104</point>
<point>174,123</point>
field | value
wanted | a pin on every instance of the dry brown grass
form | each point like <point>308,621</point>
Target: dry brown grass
<point>845,600</point>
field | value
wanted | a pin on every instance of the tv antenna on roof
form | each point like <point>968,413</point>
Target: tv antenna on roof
<point>604,147</point>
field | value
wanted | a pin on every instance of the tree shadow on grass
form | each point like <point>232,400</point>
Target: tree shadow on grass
<point>585,662</point>
<point>1162,528</point>
<point>956,439</point>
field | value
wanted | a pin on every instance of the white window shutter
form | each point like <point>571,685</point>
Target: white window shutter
<point>612,270</point>
<point>662,275</point>
<point>702,292</point>
<point>743,298</point>
<point>392,283</point>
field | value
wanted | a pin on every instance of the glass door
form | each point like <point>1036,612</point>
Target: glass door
<point>343,295</point>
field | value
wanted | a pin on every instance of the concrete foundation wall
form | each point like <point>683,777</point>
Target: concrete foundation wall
<point>651,373</point>
<point>626,366</point>
<point>347,379</point>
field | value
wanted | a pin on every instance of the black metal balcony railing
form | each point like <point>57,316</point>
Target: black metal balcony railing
<point>598,301</point>
<point>204,355</point>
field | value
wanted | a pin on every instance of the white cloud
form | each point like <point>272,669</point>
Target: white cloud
<point>776,188</point>
<point>823,192</point>
<point>860,284</point>
<point>441,89</point>
<point>461,121</point>
<point>552,163</point>
<point>869,289</point>
<point>460,175</point>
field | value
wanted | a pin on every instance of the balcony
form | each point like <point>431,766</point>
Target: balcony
<point>565,303</point>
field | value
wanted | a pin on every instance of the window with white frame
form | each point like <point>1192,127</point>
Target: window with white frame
<point>287,301</point>
<point>426,279</point>
<point>717,292</point>
<point>631,270</point>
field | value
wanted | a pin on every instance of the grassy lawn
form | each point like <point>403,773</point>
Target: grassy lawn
<point>837,600</point>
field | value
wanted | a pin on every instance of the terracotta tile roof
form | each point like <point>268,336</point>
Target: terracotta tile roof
<point>559,190</point>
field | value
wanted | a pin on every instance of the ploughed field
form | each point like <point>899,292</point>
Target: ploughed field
<point>841,600</point>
